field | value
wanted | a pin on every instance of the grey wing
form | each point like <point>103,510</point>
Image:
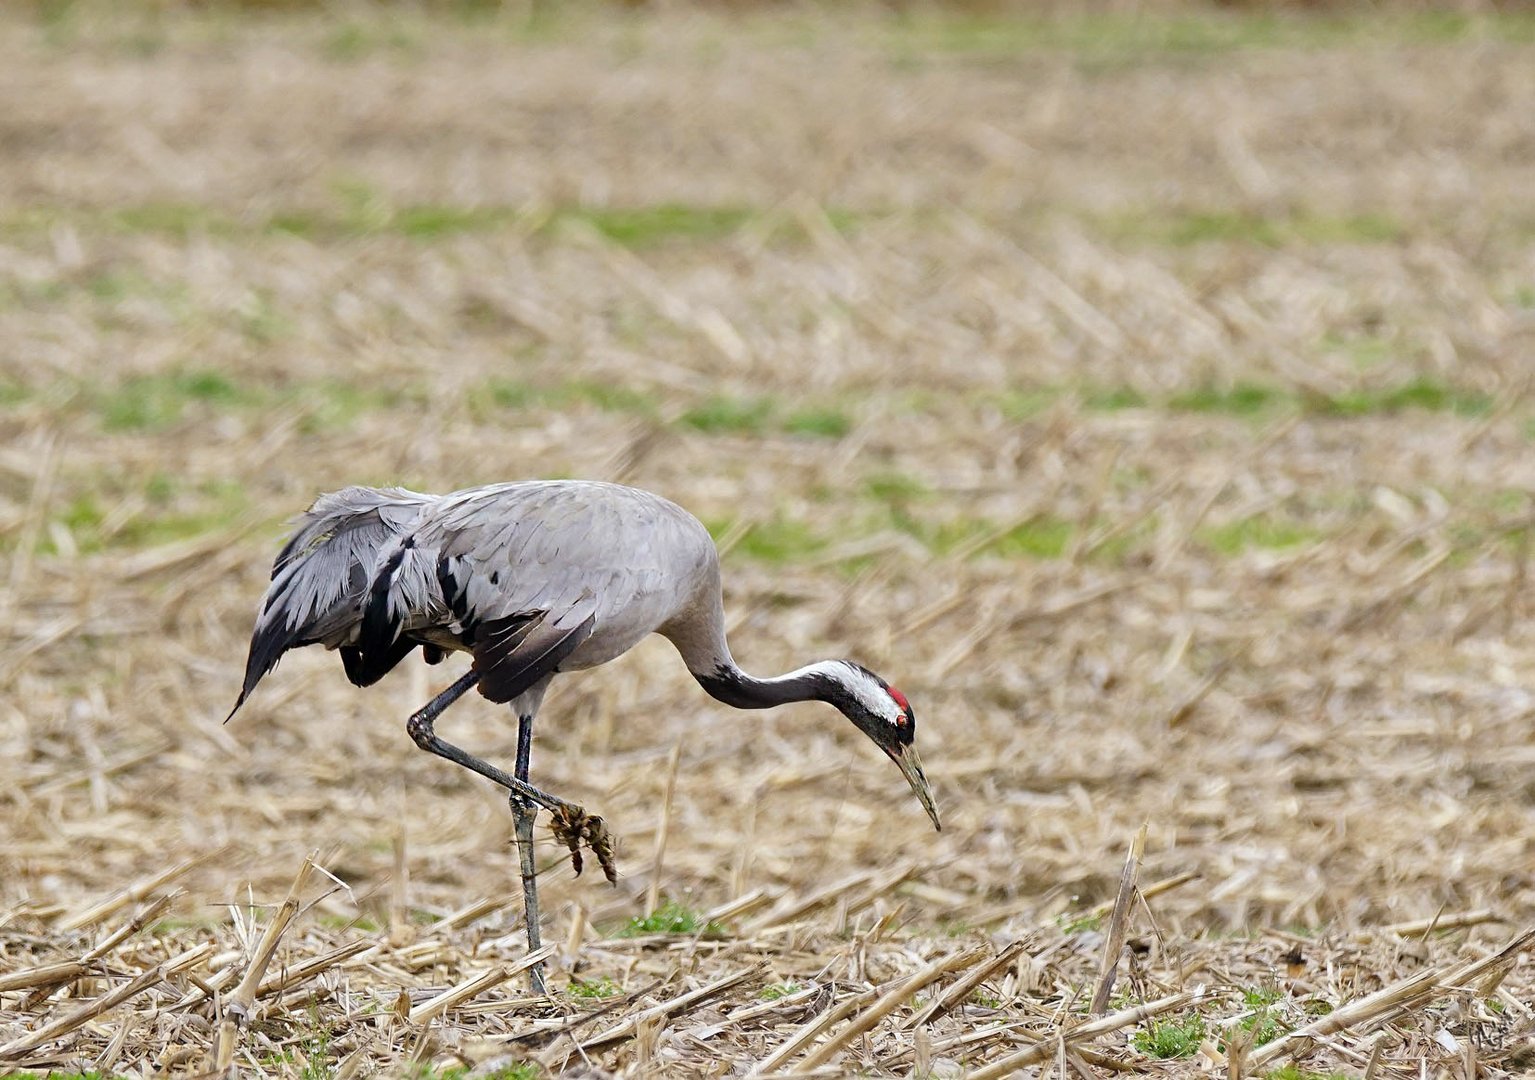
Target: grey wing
<point>527,574</point>
<point>514,653</point>
<point>320,576</point>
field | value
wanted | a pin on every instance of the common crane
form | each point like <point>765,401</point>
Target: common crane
<point>532,579</point>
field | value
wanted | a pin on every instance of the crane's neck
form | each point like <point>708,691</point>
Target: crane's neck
<point>728,683</point>
<point>700,637</point>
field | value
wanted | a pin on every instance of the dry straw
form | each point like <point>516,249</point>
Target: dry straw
<point>1163,431</point>
<point>237,1007</point>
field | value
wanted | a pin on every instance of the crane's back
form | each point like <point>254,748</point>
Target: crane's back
<point>638,561</point>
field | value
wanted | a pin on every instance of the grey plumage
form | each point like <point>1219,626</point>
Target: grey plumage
<point>321,574</point>
<point>531,579</point>
<point>560,551</point>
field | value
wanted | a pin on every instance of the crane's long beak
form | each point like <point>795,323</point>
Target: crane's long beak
<point>906,759</point>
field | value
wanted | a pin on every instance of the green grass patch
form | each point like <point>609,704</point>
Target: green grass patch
<point>670,918</point>
<point>1253,399</point>
<point>112,285</point>
<point>176,219</point>
<point>593,989</point>
<point>1264,531</point>
<point>1247,399</point>
<point>1241,399</point>
<point>1261,997</point>
<point>1295,1072</point>
<point>775,991</point>
<point>361,210</point>
<point>351,41</point>
<point>82,515</point>
<point>1420,393</point>
<point>821,423</point>
<point>328,405</point>
<point>780,540</point>
<point>1024,404</point>
<point>1299,228</point>
<point>786,540</point>
<point>311,1059</point>
<point>156,402</point>
<point>105,288</point>
<point>362,923</point>
<point>746,416</point>
<point>640,227</point>
<point>761,415</point>
<point>1072,923</point>
<point>262,321</point>
<point>523,1070</point>
<point>1040,538</point>
<point>173,924</point>
<point>1043,538</point>
<point>98,519</point>
<point>896,487</point>
<point>646,226</point>
<point>789,540</point>
<point>1127,37</point>
<point>219,509</point>
<point>427,221</point>
<point>511,394</point>
<point>1171,1039</point>
<point>1264,1025</point>
<point>179,220</point>
<point>1112,398</point>
<point>358,209</point>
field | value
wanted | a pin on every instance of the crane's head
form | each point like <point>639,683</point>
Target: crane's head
<point>882,713</point>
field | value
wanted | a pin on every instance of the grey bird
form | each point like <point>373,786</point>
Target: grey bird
<point>532,579</point>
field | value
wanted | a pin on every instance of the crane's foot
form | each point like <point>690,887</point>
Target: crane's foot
<point>574,827</point>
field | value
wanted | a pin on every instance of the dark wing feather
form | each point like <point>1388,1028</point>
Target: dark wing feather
<point>320,578</point>
<point>514,653</point>
<point>364,669</point>
<point>377,627</point>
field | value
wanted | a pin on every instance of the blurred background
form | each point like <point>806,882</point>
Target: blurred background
<point>1144,389</point>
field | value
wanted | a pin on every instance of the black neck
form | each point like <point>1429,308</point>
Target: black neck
<point>739,690</point>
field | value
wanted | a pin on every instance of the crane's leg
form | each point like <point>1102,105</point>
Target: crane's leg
<point>571,823</point>
<point>523,813</point>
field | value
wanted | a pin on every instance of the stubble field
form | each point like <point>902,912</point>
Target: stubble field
<point>1148,398</point>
